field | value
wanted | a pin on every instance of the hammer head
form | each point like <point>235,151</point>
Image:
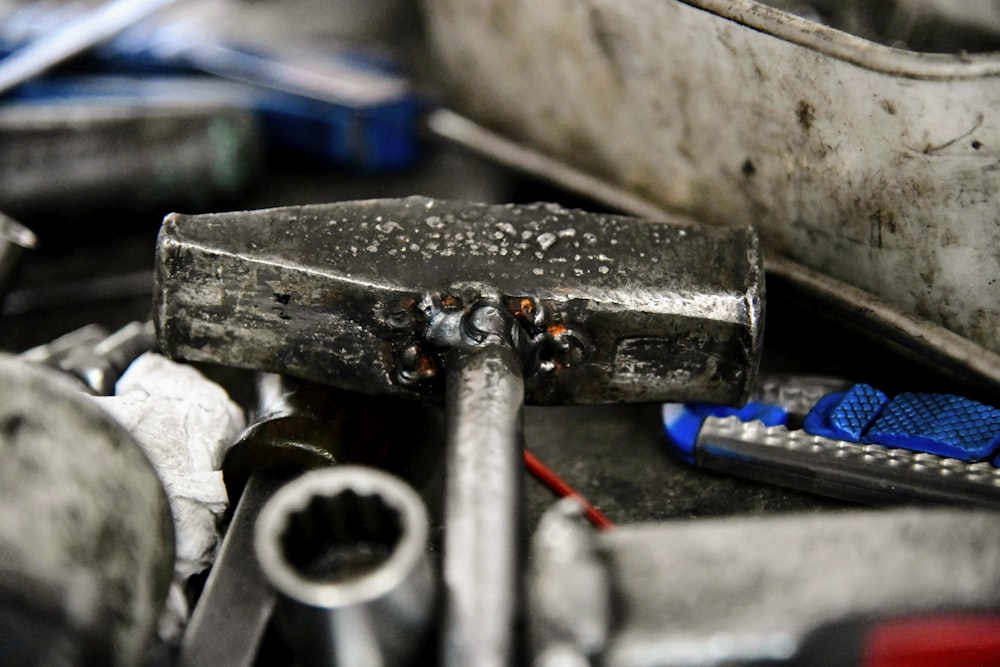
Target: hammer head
<point>606,308</point>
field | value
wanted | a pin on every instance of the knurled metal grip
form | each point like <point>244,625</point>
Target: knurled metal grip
<point>357,294</point>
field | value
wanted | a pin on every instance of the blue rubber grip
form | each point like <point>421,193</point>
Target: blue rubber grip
<point>846,415</point>
<point>941,424</point>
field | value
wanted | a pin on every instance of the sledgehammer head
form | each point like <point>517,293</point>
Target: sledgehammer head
<point>367,295</point>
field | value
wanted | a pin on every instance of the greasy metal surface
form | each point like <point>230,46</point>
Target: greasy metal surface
<point>733,591</point>
<point>874,165</point>
<point>483,506</point>
<point>331,293</point>
<point>346,548</point>
<point>86,536</point>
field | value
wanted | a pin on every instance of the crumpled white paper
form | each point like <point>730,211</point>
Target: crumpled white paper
<point>184,422</point>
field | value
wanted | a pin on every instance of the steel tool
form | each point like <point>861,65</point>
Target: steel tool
<point>66,158</point>
<point>744,591</point>
<point>347,550</point>
<point>86,536</point>
<point>490,305</point>
<point>93,356</point>
<point>298,426</point>
<point>15,238</point>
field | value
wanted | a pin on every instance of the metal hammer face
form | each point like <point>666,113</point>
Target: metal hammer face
<point>370,295</point>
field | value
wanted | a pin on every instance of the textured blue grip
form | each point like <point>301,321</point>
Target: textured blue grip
<point>941,424</point>
<point>846,415</point>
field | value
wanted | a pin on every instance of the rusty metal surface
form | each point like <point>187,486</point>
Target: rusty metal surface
<point>875,165</point>
<point>339,293</point>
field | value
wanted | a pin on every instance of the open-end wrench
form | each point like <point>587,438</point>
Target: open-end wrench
<point>489,305</point>
<point>297,426</point>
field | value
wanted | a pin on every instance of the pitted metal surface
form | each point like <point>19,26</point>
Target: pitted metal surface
<point>333,293</point>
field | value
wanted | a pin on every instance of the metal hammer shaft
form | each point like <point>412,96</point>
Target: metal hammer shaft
<point>485,394</point>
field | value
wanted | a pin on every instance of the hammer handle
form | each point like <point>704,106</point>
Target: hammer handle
<point>484,402</point>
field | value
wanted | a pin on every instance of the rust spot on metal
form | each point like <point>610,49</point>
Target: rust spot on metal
<point>806,114</point>
<point>556,329</point>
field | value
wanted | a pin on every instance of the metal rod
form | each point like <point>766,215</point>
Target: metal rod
<point>236,605</point>
<point>89,30</point>
<point>485,397</point>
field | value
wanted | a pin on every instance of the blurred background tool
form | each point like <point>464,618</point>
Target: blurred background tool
<point>347,551</point>
<point>952,638</point>
<point>93,356</point>
<point>15,238</point>
<point>86,535</point>
<point>745,591</point>
<point>338,104</point>
<point>65,160</point>
<point>74,37</point>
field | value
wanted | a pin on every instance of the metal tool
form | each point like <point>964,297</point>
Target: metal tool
<point>77,36</point>
<point>346,548</point>
<point>745,590</point>
<point>93,356</point>
<point>490,305</point>
<point>66,158</point>
<point>15,238</point>
<point>86,535</point>
<point>336,104</point>
<point>852,442</point>
<point>297,426</point>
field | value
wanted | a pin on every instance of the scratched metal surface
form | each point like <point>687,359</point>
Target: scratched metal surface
<point>875,165</point>
<point>667,310</point>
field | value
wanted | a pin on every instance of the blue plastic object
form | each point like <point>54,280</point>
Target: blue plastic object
<point>682,421</point>
<point>846,415</point>
<point>336,105</point>
<point>941,424</point>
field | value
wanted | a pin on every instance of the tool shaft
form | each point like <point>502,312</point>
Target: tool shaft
<point>93,28</point>
<point>484,400</point>
<point>237,602</point>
